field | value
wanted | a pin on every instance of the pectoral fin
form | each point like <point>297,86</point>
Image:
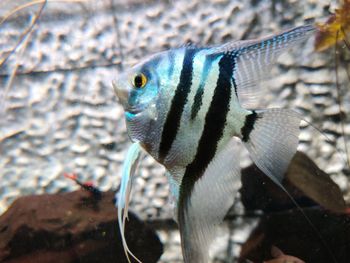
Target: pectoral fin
<point>205,207</point>
<point>123,196</point>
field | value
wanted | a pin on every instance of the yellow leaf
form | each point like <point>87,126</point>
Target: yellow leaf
<point>335,29</point>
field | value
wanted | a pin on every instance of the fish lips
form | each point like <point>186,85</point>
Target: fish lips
<point>134,110</point>
<point>122,94</point>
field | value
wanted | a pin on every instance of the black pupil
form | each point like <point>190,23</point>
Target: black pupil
<point>138,81</point>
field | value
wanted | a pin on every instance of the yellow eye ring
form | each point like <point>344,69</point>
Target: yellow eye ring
<point>139,80</point>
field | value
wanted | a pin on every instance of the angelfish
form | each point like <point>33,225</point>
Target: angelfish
<point>185,106</point>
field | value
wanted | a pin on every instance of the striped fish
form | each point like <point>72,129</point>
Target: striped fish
<point>186,106</point>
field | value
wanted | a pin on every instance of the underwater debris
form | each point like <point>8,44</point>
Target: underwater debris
<point>88,186</point>
<point>335,29</point>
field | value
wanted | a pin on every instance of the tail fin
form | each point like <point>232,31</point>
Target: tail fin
<point>271,138</point>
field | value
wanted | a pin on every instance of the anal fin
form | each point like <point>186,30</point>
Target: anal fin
<point>206,206</point>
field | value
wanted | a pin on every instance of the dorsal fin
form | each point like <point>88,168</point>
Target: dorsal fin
<point>189,44</point>
<point>254,59</point>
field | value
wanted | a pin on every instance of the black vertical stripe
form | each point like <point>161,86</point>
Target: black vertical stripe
<point>214,126</point>
<point>178,103</point>
<point>234,64</point>
<point>197,103</point>
<point>248,126</point>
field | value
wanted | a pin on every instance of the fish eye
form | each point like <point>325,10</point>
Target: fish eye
<point>139,80</point>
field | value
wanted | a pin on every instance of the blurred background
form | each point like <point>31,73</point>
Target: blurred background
<point>59,114</point>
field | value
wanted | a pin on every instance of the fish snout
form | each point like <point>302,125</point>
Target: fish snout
<point>122,93</point>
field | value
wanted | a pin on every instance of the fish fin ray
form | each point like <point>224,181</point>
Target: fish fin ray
<point>123,195</point>
<point>174,186</point>
<point>212,196</point>
<point>273,141</point>
<point>254,59</point>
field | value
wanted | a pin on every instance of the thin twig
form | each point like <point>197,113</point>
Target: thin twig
<point>347,44</point>
<point>23,35</point>
<point>60,70</point>
<point>25,41</point>
<point>15,10</point>
<point>116,23</point>
<point>336,65</point>
<point>347,71</point>
<point>30,28</point>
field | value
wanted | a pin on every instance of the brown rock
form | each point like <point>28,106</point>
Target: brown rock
<point>327,241</point>
<point>71,227</point>
<point>320,234</point>
<point>307,183</point>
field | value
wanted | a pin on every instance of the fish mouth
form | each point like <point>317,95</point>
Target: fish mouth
<point>123,100</point>
<point>134,110</point>
<point>122,95</point>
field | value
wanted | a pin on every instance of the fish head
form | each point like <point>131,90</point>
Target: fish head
<point>138,89</point>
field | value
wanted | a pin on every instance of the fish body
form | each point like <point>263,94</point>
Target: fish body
<point>185,106</point>
<point>178,113</point>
